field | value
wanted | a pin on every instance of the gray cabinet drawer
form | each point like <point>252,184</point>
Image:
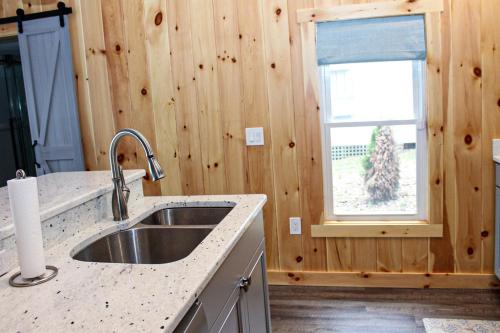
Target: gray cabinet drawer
<point>254,298</point>
<point>228,276</point>
<point>194,321</point>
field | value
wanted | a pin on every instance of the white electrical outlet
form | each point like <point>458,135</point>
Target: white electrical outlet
<point>254,136</point>
<point>295,226</point>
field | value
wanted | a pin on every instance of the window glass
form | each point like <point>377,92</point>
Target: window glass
<point>374,170</point>
<point>371,91</point>
<point>375,140</point>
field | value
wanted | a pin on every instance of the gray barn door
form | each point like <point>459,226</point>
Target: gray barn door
<point>50,95</point>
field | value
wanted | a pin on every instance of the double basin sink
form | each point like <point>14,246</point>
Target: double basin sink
<point>165,236</point>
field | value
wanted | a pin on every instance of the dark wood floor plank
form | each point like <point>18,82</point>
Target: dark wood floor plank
<point>298,309</point>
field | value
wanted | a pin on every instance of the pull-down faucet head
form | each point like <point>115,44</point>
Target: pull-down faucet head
<point>155,169</point>
<point>119,200</point>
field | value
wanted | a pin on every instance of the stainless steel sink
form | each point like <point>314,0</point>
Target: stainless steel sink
<point>165,236</point>
<point>188,216</point>
<point>146,245</point>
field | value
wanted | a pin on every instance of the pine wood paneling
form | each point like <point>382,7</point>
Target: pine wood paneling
<point>326,3</point>
<point>98,80</point>
<point>138,65</point>
<point>209,106</point>
<point>415,255</point>
<point>364,254</point>
<point>140,86</point>
<point>389,255</point>
<point>9,7</point>
<point>442,251</point>
<point>162,92</point>
<point>466,67</point>
<point>339,254</point>
<point>186,110</point>
<point>279,76</point>
<point>259,159</point>
<point>82,86</point>
<point>116,56</point>
<point>231,94</point>
<point>32,6</point>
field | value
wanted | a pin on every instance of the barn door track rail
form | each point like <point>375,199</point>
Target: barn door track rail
<point>21,16</point>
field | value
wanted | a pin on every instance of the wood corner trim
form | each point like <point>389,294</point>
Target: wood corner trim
<point>384,280</point>
<point>377,229</point>
<point>369,10</point>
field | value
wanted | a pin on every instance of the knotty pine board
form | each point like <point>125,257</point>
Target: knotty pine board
<point>267,85</point>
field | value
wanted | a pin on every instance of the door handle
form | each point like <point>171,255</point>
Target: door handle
<point>245,283</point>
<point>35,143</point>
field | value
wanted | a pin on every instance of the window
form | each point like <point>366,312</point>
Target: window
<point>374,132</point>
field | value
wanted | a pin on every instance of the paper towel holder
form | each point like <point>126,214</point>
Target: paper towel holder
<point>17,280</point>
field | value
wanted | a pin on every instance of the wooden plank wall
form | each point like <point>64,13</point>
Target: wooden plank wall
<point>193,74</point>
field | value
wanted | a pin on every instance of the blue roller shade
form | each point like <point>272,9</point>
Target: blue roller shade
<point>375,39</point>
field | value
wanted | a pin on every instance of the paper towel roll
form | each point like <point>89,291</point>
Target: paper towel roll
<point>23,196</point>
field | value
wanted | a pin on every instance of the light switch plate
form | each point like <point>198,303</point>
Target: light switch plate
<point>254,136</point>
<point>295,226</point>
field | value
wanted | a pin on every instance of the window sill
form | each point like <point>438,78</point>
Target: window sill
<point>377,229</point>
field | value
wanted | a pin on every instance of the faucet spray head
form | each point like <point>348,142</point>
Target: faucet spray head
<point>155,169</point>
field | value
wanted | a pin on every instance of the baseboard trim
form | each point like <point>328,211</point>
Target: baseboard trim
<point>385,280</point>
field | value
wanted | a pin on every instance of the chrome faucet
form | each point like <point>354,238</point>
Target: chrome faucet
<point>121,191</point>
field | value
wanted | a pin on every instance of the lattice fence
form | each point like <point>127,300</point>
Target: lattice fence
<point>340,152</point>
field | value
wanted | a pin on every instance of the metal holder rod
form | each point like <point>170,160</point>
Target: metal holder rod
<point>17,281</point>
<point>20,174</point>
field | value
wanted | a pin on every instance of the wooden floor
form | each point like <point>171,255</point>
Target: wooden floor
<point>326,309</point>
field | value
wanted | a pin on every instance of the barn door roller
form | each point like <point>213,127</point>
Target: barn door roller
<point>21,16</point>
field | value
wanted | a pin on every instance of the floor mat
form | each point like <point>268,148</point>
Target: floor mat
<point>435,325</point>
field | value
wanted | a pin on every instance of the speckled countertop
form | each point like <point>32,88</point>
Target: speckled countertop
<point>61,191</point>
<point>99,297</point>
<point>496,150</point>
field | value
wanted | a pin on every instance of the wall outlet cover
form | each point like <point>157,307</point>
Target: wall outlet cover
<point>295,226</point>
<point>254,136</point>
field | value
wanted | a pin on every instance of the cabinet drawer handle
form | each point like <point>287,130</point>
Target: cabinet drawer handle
<point>245,283</point>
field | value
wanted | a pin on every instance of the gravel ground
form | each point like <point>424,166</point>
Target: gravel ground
<point>351,197</point>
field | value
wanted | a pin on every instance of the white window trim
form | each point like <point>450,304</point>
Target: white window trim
<point>422,153</point>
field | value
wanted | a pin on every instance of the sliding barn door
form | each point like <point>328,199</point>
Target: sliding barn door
<point>50,95</point>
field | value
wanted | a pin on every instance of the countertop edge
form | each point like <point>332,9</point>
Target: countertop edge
<point>185,288</point>
<point>45,214</point>
<point>215,268</point>
<point>130,176</point>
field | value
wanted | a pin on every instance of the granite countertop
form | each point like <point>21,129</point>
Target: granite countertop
<point>61,191</point>
<point>103,297</point>
<point>496,150</point>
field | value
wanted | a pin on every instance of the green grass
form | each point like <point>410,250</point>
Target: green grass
<point>350,193</point>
